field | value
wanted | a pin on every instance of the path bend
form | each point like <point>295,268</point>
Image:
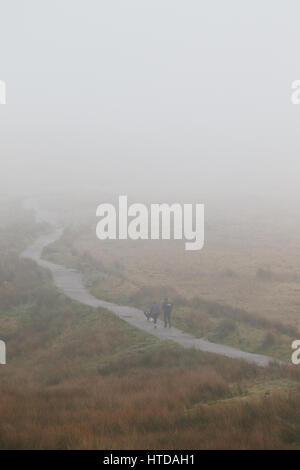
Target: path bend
<point>70,282</point>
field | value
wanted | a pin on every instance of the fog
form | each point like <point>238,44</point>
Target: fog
<point>161,97</point>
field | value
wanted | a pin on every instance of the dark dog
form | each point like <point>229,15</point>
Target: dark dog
<point>147,315</point>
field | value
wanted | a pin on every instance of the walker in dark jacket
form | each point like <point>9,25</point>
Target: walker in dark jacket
<point>154,312</point>
<point>167,309</point>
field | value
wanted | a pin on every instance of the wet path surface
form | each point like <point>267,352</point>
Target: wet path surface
<point>70,282</point>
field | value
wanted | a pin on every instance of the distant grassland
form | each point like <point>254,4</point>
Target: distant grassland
<point>136,273</point>
<point>80,378</point>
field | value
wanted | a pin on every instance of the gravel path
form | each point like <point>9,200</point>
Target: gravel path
<point>70,282</point>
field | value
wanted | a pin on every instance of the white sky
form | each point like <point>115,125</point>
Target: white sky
<point>188,96</point>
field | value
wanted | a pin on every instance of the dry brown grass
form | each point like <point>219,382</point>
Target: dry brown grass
<point>225,272</point>
<point>148,412</point>
<point>79,378</point>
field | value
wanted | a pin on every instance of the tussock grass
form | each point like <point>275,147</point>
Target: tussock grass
<point>80,378</point>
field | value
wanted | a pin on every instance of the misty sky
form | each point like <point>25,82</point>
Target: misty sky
<point>191,97</point>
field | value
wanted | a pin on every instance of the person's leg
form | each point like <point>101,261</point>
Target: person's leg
<point>155,320</point>
<point>165,319</point>
<point>169,319</point>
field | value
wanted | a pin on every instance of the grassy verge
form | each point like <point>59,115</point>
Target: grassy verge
<point>80,378</point>
<point>217,322</point>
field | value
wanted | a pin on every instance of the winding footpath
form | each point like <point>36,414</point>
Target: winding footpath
<point>70,282</point>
